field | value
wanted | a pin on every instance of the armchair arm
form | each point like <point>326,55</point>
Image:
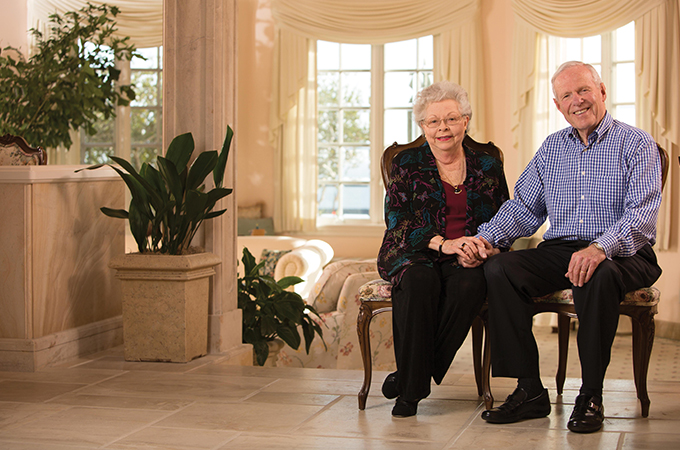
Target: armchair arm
<point>306,262</point>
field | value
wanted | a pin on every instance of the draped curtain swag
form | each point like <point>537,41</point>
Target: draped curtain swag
<point>293,131</point>
<point>141,20</point>
<point>657,67</point>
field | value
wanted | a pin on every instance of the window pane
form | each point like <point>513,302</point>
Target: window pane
<point>151,62</point>
<point>357,164</point>
<point>425,53</point>
<point>327,86</point>
<point>400,89</point>
<point>399,126</point>
<point>425,79</point>
<point>327,55</point>
<point>146,91</point>
<point>355,57</point>
<point>356,201</point>
<point>328,163</point>
<point>572,50</point>
<point>143,125</point>
<point>328,126</point>
<point>625,113</point>
<point>401,55</point>
<point>141,155</point>
<point>624,74</point>
<point>104,131</point>
<point>356,126</point>
<point>624,38</point>
<point>97,155</point>
<point>327,199</point>
<point>592,49</point>
<point>356,89</point>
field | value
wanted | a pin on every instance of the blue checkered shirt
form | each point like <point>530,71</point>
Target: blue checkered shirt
<point>607,192</point>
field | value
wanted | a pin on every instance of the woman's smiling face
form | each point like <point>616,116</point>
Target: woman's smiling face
<point>446,128</point>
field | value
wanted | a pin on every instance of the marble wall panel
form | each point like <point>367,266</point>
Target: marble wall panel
<point>14,286</point>
<point>72,245</point>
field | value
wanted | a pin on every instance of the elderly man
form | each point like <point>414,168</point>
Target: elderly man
<point>598,183</point>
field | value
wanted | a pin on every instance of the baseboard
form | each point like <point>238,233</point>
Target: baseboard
<point>29,355</point>
<point>668,330</point>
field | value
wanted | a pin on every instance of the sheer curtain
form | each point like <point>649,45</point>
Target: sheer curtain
<point>141,20</point>
<point>657,66</point>
<point>455,24</point>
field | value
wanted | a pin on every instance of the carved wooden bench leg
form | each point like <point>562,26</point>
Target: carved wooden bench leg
<point>363,325</point>
<point>643,341</point>
<point>563,323</point>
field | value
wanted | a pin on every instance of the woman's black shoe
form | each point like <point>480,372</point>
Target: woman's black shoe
<point>587,416</point>
<point>389,387</point>
<point>404,408</point>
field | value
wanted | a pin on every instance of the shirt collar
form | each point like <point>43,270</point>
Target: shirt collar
<point>600,131</point>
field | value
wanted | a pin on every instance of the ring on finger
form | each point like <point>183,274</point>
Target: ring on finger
<point>463,244</point>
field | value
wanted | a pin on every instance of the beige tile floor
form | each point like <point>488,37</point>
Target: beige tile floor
<point>104,402</point>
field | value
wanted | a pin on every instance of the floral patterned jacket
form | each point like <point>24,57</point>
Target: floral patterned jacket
<point>415,205</point>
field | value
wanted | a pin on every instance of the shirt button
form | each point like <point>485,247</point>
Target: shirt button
<point>580,221</point>
<point>583,173</point>
<point>583,197</point>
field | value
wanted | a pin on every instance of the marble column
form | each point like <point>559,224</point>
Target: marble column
<point>199,58</point>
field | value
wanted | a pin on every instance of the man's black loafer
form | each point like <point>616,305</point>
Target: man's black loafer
<point>587,416</point>
<point>519,407</point>
<point>389,387</point>
<point>404,408</point>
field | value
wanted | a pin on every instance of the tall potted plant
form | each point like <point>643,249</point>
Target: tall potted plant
<point>70,81</point>
<point>166,284</point>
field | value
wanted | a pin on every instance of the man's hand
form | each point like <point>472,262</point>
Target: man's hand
<point>583,263</point>
<point>484,250</point>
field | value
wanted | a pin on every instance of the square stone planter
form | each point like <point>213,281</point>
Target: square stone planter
<point>165,305</point>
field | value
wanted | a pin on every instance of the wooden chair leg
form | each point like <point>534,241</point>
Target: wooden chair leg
<point>643,341</point>
<point>363,326</point>
<point>563,346</point>
<point>477,336</point>
<point>486,364</point>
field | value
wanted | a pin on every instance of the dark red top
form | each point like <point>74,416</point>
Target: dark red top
<point>456,211</point>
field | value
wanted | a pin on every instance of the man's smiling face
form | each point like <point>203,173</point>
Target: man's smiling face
<point>580,99</point>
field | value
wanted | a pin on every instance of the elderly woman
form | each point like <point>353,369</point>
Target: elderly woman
<point>437,195</point>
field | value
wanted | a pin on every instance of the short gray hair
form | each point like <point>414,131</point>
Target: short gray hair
<point>437,92</point>
<point>568,65</point>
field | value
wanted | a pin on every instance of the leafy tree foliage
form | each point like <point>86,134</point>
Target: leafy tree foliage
<point>69,82</point>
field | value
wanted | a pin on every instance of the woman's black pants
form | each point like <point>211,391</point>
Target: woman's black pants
<point>515,277</point>
<point>432,311</point>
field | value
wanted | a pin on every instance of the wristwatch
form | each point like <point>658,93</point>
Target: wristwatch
<point>599,247</point>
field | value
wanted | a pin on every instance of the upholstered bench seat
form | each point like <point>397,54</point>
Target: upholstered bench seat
<point>642,297</point>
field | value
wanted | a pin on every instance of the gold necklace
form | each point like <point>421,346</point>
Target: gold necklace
<point>456,187</point>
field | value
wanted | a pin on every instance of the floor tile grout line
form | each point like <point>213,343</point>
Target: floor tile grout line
<point>150,424</point>
<point>326,407</point>
<point>465,426</point>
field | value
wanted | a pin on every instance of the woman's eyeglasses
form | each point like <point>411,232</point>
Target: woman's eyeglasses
<point>433,122</point>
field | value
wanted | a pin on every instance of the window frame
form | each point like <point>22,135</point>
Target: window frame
<point>377,145</point>
<point>607,63</point>
<point>122,123</point>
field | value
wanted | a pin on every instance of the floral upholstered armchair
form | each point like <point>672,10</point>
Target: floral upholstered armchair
<point>335,296</point>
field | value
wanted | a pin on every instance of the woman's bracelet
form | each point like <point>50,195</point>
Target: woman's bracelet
<point>440,246</point>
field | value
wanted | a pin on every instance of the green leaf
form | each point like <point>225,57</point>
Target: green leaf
<point>172,179</point>
<point>117,213</point>
<point>201,168</point>
<point>218,172</point>
<point>286,282</point>
<point>289,335</point>
<point>180,150</point>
